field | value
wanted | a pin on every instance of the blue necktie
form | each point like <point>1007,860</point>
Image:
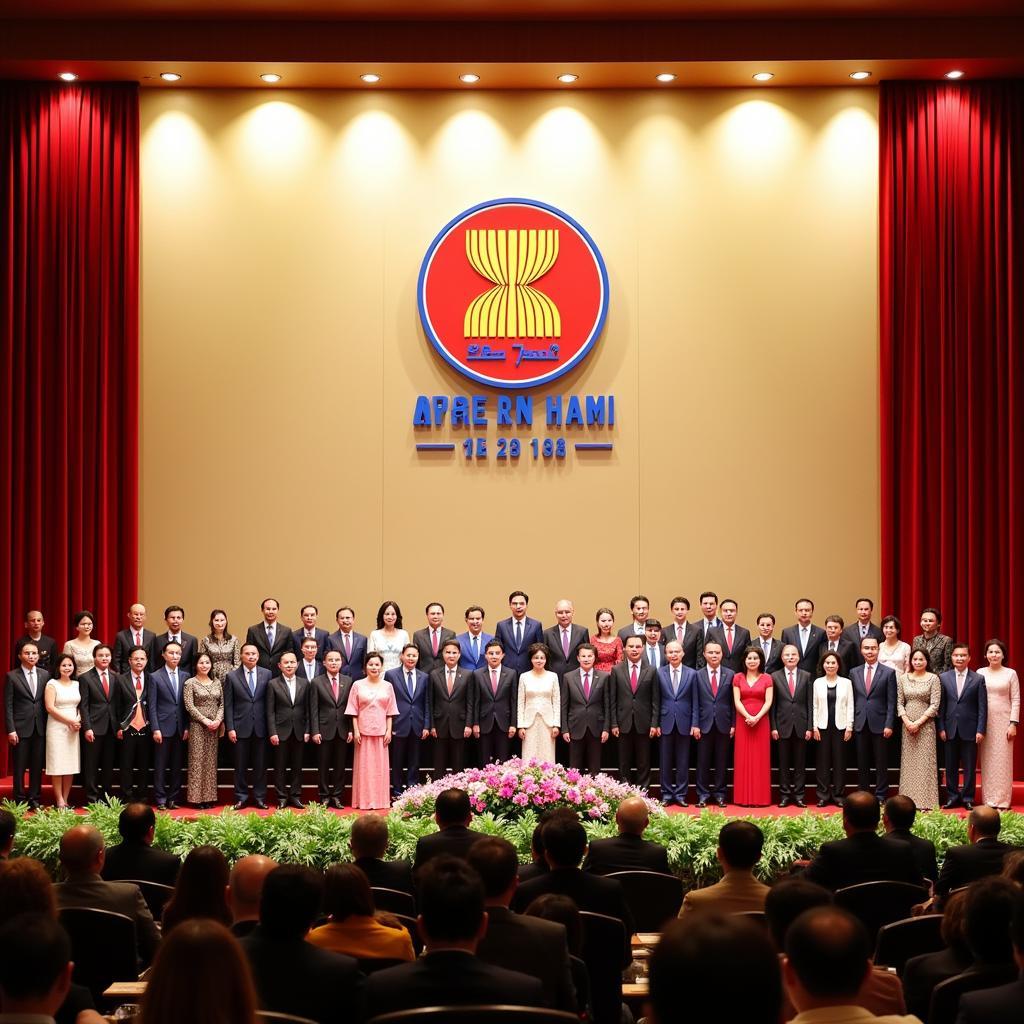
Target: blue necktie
<point>252,685</point>
<point>409,686</point>
<point>519,636</point>
<point>476,649</point>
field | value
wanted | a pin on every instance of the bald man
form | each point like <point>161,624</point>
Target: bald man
<point>245,887</point>
<point>628,851</point>
<point>564,639</point>
<point>136,635</point>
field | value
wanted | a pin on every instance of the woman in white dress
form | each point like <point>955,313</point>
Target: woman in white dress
<point>893,651</point>
<point>82,644</point>
<point>389,638</point>
<point>63,725</point>
<point>538,713</point>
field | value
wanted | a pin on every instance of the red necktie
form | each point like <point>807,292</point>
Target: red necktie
<point>334,688</point>
<point>714,683</point>
<point>106,684</point>
<point>494,681</point>
<point>792,685</point>
<point>728,638</point>
<point>867,678</point>
<point>138,639</point>
<point>433,642</point>
<point>586,685</point>
<point>632,679</point>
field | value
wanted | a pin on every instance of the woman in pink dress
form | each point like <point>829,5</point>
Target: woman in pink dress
<point>1003,692</point>
<point>752,695</point>
<point>607,644</point>
<point>372,707</point>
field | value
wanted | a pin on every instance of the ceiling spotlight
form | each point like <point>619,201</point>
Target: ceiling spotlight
<point>568,79</point>
<point>370,79</point>
<point>860,75</point>
<point>954,74</point>
<point>271,79</point>
<point>666,76</point>
<point>170,76</point>
<point>469,79</point>
<point>763,76</point>
<point>68,76</point>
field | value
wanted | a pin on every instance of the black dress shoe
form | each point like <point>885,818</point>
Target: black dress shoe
<point>171,805</point>
<point>297,803</point>
<point>800,802</point>
<point>336,803</point>
<point>241,805</point>
<point>161,807</point>
<point>720,800</point>
<point>950,804</point>
<point>784,802</point>
<point>968,805</point>
<point>33,805</point>
<point>701,804</point>
<point>260,805</point>
<point>282,804</point>
<point>823,803</point>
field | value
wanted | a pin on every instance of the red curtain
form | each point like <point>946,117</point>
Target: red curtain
<point>69,226</point>
<point>952,341</point>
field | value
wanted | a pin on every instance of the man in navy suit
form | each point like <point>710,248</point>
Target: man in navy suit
<point>874,712</point>
<point>169,724</point>
<point>495,697</point>
<point>716,724</point>
<point>174,617</point>
<point>25,718</point>
<point>412,723</point>
<point>963,716</point>
<point>350,644</point>
<point>331,728</point>
<point>805,636</point>
<point>245,719</point>
<point>677,724</point>
<point>472,643</point>
<point>586,711</point>
<point>309,629</point>
<point>518,632</point>
<point>563,639</point>
<point>310,665</point>
<point>857,631</point>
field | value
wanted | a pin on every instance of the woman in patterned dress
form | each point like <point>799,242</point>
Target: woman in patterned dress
<point>607,644</point>
<point>82,644</point>
<point>1003,692</point>
<point>918,693</point>
<point>389,638</point>
<point>223,648</point>
<point>204,702</point>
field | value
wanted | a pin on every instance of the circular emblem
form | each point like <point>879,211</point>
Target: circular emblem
<point>513,293</point>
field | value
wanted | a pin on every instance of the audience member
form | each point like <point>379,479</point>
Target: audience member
<point>628,851</point>
<point>368,842</point>
<point>35,969</point>
<point>1002,1002</point>
<point>8,828</point>
<point>538,864</point>
<point>980,856</point>
<point>453,814</point>
<point>898,818</point>
<point>739,850</point>
<point>922,973</point>
<point>1013,867</point>
<point>245,888</point>
<point>135,857</point>
<point>201,891</point>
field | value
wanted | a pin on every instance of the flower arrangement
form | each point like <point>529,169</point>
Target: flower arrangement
<point>511,788</point>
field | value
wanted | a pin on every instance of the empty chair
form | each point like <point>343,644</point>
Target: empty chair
<point>394,901</point>
<point>900,940</point>
<point>155,895</point>
<point>102,947</point>
<point>475,1014</point>
<point>653,898</point>
<point>880,903</point>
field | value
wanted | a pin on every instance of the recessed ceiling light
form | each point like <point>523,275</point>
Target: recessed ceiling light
<point>270,78</point>
<point>763,76</point>
<point>469,79</point>
<point>568,79</point>
<point>954,74</point>
<point>170,76</point>
<point>68,76</point>
<point>860,75</point>
<point>666,76</point>
<point>370,79</point>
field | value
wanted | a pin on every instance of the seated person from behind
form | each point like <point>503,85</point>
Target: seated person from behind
<point>980,856</point>
<point>35,969</point>
<point>739,850</point>
<point>453,813</point>
<point>135,858</point>
<point>368,842</point>
<point>628,851</point>
<point>245,888</point>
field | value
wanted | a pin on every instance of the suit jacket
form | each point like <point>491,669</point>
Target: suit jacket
<point>582,714</point>
<point>296,977</point>
<point>626,853</point>
<point>967,715</point>
<point>849,653</point>
<point>124,642</point>
<point>791,715</point>
<point>627,631</point>
<point>517,656</point>
<point>969,862</point>
<point>691,636</point>
<point>874,711</point>
<point>495,710</point>
<point>809,655</point>
<point>318,668</point>
<point>531,946</point>
<point>640,711</point>
<point>680,712</point>
<point>421,638</point>
<point>923,972</point>
<point>287,718</point>
<point>844,704</point>
<point>387,874</point>
<point>655,653</point>
<point>167,715</point>
<point>559,662</point>
<point>773,659</point>
<point>270,656</point>
<point>450,977</point>
<point>131,861</point>
<point>738,891</point>
<point>327,716</point>
<point>740,642</point>
<point>450,715</point>
<point>99,711</point>
<point>852,633</point>
<point>127,700</point>
<point>47,647</point>
<point>923,849</point>
<point>719,711</point>
<point>244,712</point>
<point>862,857</point>
<point>454,840</point>
<point>704,636</point>
<point>188,652</point>
<point>320,635</point>
<point>351,666</point>
<point>413,713</point>
<point>1005,1002</point>
<point>23,713</point>
<point>117,897</point>
<point>467,660</point>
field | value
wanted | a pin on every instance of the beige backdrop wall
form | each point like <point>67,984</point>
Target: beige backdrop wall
<point>282,233</point>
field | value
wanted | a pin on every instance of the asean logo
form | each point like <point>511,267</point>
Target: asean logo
<point>513,293</point>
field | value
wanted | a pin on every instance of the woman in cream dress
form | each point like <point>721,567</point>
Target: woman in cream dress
<point>833,727</point>
<point>918,694</point>
<point>893,651</point>
<point>63,727</point>
<point>388,638</point>
<point>538,713</point>
<point>82,644</point>
<point>1003,692</point>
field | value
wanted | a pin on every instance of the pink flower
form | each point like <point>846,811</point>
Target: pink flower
<point>520,799</point>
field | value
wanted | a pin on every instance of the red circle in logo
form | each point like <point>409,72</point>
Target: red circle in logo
<point>513,293</point>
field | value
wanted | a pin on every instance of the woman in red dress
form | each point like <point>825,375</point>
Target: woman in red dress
<point>752,695</point>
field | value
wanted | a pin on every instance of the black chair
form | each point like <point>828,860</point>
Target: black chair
<point>900,940</point>
<point>945,1004</point>
<point>880,903</point>
<point>155,895</point>
<point>394,901</point>
<point>604,945</point>
<point>103,947</point>
<point>653,898</point>
<point>475,1014</point>
<point>581,982</point>
<point>282,1018</point>
<point>410,925</point>
<point>757,916</point>
<point>370,965</point>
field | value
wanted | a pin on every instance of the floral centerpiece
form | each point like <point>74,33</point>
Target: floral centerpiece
<point>509,789</point>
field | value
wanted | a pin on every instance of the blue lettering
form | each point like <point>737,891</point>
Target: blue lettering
<point>553,406</point>
<point>460,411</point>
<point>479,410</point>
<point>595,410</point>
<point>440,408</point>
<point>611,410</point>
<point>574,412</point>
<point>524,410</point>
<point>504,411</point>
<point>421,414</point>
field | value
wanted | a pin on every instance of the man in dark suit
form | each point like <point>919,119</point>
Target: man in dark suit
<point>805,636</point>
<point>586,711</point>
<point>174,617</point>
<point>688,634</point>
<point>46,646</point>
<point>452,922</point>
<point>897,819</point>
<point>133,726</point>
<point>874,712</point>
<point>245,890</point>
<point>790,716</point>
<point>640,609</point>
<point>168,722</point>
<point>368,842</point>
<point>98,708</point>
<point>980,856</point>
<point>454,837</point>
<point>450,710</point>
<point>716,725</point>
<point>135,857</point>
<point>245,719</point>
<point>309,630</point>
<point>518,632</point>
<point>25,722</point>
<point>288,729</point>
<point>628,851</point>
<point>563,639</point>
<point>963,717</point>
<point>863,856</point>
<point>1003,1002</point>
<point>710,623</point>
<point>678,700</point>
<point>515,941</point>
<point>654,649</point>
<point>473,643</point>
<point>636,713</point>
<point>857,631</point>
<point>835,643</point>
<point>495,693</point>
<point>735,639</point>
<point>432,638</point>
<point>331,729</point>
<point>771,647</point>
<point>271,636</point>
<point>350,644</point>
<point>411,726</point>
<point>292,975</point>
<point>136,635</point>
<point>309,665</point>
